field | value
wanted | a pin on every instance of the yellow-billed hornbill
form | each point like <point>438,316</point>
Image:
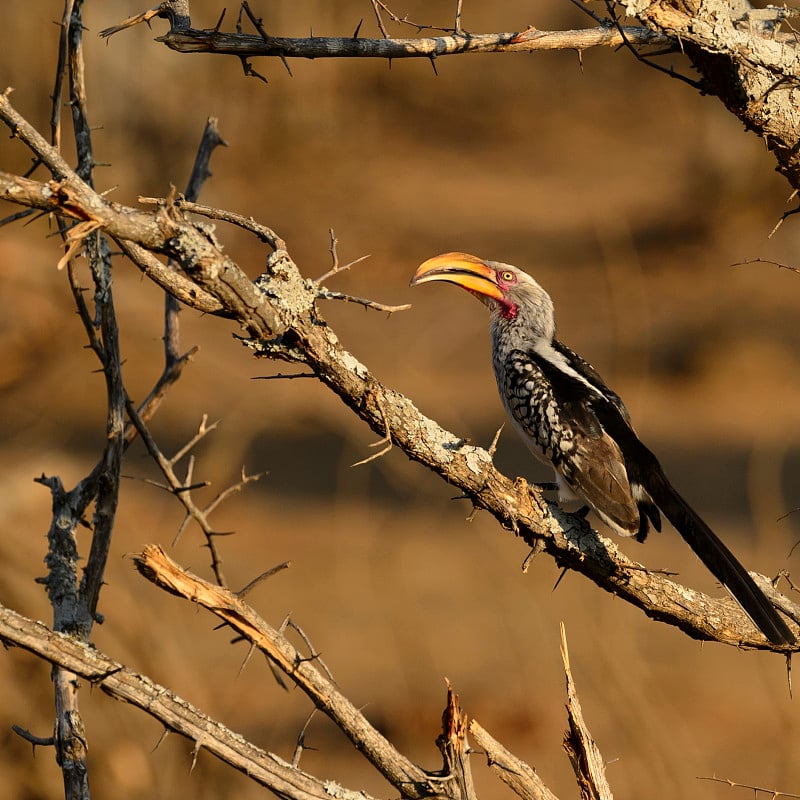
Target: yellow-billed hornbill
<point>571,420</point>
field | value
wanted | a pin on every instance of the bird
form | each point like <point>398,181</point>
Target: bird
<point>571,420</point>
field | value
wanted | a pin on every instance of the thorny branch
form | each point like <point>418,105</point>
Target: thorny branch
<point>75,600</point>
<point>250,46</point>
<point>453,781</point>
<point>182,489</point>
<point>773,794</point>
<point>721,40</point>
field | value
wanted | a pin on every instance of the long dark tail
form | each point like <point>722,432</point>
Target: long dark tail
<point>717,558</point>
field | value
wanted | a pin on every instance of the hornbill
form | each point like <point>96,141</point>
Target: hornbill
<point>572,421</point>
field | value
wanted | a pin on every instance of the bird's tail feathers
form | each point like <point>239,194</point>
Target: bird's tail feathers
<point>718,559</point>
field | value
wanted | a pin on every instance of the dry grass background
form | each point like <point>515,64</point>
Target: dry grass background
<point>625,193</point>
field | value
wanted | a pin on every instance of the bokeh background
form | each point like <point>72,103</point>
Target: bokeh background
<point>631,199</point>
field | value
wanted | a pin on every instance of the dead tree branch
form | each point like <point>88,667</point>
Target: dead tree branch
<point>741,52</point>
<point>243,45</point>
<point>515,773</point>
<point>452,782</point>
<point>587,761</point>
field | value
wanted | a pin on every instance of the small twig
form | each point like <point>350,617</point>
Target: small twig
<point>247,66</point>
<point>36,741</point>
<point>233,489</point>
<point>136,19</point>
<point>385,442</point>
<point>262,577</point>
<point>284,377</point>
<point>313,654</point>
<point>532,553</point>
<point>301,741</point>
<point>580,4</point>
<point>250,71</point>
<point>774,793</point>
<point>381,26</point>
<point>628,45</point>
<point>766,261</point>
<point>325,294</point>
<point>20,215</point>
<point>179,487</point>
<point>203,429</point>
<point>335,266</point>
<point>785,215</point>
<point>262,232</point>
<point>334,256</point>
<point>404,20</point>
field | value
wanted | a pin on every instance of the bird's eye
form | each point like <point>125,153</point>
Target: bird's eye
<point>507,276</point>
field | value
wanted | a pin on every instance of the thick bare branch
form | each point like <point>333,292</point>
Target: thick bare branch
<point>454,747</point>
<point>587,761</point>
<point>519,776</point>
<point>745,59</point>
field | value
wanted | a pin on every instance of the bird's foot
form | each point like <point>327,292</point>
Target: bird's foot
<point>546,486</point>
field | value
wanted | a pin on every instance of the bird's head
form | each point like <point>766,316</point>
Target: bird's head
<point>510,294</point>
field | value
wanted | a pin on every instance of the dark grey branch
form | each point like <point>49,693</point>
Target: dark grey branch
<point>249,45</point>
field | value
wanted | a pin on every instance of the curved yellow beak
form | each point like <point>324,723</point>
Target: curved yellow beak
<point>468,272</point>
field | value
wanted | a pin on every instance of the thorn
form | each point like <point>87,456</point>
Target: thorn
<point>195,751</point>
<point>277,675</point>
<point>358,28</point>
<point>247,658</point>
<point>166,732</point>
<point>563,573</point>
<point>493,445</point>
<point>219,21</point>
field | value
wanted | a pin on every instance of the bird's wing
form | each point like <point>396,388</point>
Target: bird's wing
<point>555,410</point>
<point>591,376</point>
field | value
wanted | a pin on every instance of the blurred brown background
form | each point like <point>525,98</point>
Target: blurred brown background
<point>626,194</point>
